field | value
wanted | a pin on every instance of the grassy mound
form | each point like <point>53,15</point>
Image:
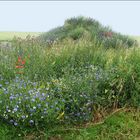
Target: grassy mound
<point>76,28</point>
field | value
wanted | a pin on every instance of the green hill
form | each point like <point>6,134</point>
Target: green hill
<point>81,27</point>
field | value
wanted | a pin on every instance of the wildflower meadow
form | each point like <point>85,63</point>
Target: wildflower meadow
<point>76,79</point>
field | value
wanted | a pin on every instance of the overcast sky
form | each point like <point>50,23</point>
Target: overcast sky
<point>41,16</point>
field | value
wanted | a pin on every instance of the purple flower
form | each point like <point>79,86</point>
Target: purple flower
<point>39,105</point>
<point>11,97</point>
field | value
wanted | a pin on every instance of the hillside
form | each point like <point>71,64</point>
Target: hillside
<point>82,27</point>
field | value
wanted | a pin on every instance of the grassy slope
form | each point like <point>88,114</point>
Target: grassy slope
<point>10,35</point>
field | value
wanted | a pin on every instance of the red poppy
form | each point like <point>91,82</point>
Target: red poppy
<point>19,59</point>
<point>107,34</point>
<point>23,62</point>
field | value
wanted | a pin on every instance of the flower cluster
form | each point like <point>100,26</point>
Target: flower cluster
<point>27,103</point>
<point>20,64</point>
<point>107,34</point>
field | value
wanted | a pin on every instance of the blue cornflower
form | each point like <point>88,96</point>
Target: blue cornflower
<point>0,85</point>
<point>5,91</point>
<point>25,84</point>
<point>57,108</point>
<point>30,91</point>
<point>11,121</point>
<point>31,122</point>
<point>15,109</point>
<point>15,123</point>
<point>17,95</point>
<point>78,114</point>
<point>33,100</point>
<point>6,83</point>
<point>23,117</point>
<point>39,105</point>
<point>45,109</point>
<point>45,112</point>
<point>34,84</point>
<point>52,106</point>
<point>31,114</point>
<point>11,97</point>
<point>31,110</point>
<point>63,100</point>
<point>42,99</point>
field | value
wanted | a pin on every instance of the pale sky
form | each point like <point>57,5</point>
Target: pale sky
<point>40,16</point>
